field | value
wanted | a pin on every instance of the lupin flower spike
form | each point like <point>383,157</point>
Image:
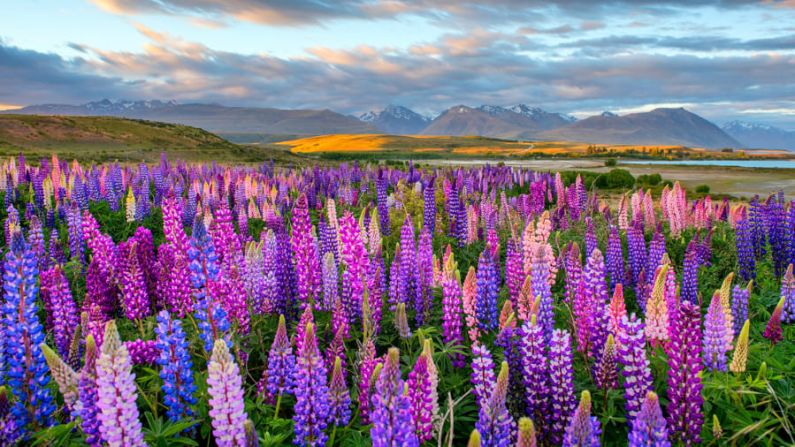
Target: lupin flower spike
<point>740,358</point>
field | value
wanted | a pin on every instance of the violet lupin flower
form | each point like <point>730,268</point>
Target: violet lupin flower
<point>685,417</point>
<point>429,205</point>
<point>561,385</point>
<point>331,287</point>
<point>583,430</point>
<point>175,363</point>
<point>281,363</point>
<point>636,245</point>
<point>788,294</point>
<point>118,415</point>
<point>535,372</point>
<point>383,211</point>
<point>539,274</point>
<point>690,272</point>
<point>514,272</point>
<point>649,429</point>
<point>142,352</point>
<point>58,304</point>
<point>487,290</point>
<point>615,258</point>
<point>391,407</point>
<point>225,387</point>
<point>22,363</point>
<point>494,423</point>
<point>339,397</point>
<point>715,336</point>
<point>740,306</point>
<point>746,258</point>
<point>635,364</point>
<point>356,262</point>
<point>482,373</point>
<point>312,403</point>
<point>88,395</point>
<point>336,349</point>
<point>451,308</point>
<point>591,242</point>
<point>605,372</point>
<point>133,285</point>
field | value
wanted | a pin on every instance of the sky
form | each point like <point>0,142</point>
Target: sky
<point>723,59</point>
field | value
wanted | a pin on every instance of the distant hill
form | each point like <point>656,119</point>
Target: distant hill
<point>658,127</point>
<point>109,138</point>
<point>396,120</point>
<point>760,136</point>
<point>517,122</point>
<point>214,117</point>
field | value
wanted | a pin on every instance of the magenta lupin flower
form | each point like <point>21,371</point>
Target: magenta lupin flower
<point>356,262</point>
<point>225,387</point>
<point>133,285</point>
<point>451,308</point>
<point>685,416</point>
<point>118,415</point>
<point>419,384</point>
<point>305,255</point>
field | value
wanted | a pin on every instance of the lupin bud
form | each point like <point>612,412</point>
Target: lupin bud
<point>740,358</point>
<point>527,433</point>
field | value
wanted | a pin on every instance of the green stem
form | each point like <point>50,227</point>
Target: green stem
<point>278,404</point>
<point>333,434</point>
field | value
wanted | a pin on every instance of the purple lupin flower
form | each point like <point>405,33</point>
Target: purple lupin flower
<point>142,352</point>
<point>281,363</point>
<point>134,291</point>
<point>336,349</point>
<point>429,204</point>
<point>535,372</point>
<point>419,385</point>
<point>331,286</point>
<point>495,423</point>
<point>118,415</point>
<point>561,385</point>
<point>339,396</point>
<point>367,365</point>
<point>60,306</point>
<point>740,306</point>
<point>539,281</point>
<point>649,429</point>
<point>591,242</point>
<point>424,271</point>
<point>788,294</point>
<point>408,262</point>
<point>746,258</point>
<point>356,262</point>
<point>514,272</point>
<point>583,430</point>
<point>690,272</point>
<point>596,298</point>
<point>635,364</point>
<point>391,407</point>
<point>715,336</point>
<point>654,258</point>
<point>636,249</point>
<point>685,417</point>
<point>383,211</point>
<point>605,372</point>
<point>615,258</point>
<point>573,264</point>
<point>487,290</point>
<point>225,387</point>
<point>312,403</point>
<point>305,255</point>
<point>482,373</point>
<point>88,395</point>
<point>451,308</point>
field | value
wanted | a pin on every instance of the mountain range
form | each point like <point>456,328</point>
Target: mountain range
<point>663,126</point>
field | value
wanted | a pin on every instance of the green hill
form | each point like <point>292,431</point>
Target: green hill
<point>92,138</point>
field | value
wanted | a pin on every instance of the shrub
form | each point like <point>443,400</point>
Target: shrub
<point>611,162</point>
<point>702,189</point>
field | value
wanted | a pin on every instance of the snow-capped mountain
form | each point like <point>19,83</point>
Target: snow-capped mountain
<point>760,136</point>
<point>539,113</point>
<point>396,119</point>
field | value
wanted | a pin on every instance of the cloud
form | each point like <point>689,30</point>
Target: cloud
<point>307,12</point>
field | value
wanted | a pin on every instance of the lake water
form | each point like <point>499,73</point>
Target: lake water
<point>774,164</point>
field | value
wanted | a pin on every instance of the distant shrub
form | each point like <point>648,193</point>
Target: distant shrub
<point>617,179</point>
<point>702,189</point>
<point>649,179</point>
<point>611,162</point>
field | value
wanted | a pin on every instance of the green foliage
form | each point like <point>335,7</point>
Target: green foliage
<point>702,189</point>
<point>611,162</point>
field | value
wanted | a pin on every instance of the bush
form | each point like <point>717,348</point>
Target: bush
<point>702,189</point>
<point>611,162</point>
<point>616,179</point>
<point>650,179</point>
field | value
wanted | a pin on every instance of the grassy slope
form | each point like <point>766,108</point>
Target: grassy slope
<point>471,146</point>
<point>106,138</point>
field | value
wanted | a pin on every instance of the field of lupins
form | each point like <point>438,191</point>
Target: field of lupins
<point>377,305</point>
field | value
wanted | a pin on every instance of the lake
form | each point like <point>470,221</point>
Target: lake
<point>773,164</point>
